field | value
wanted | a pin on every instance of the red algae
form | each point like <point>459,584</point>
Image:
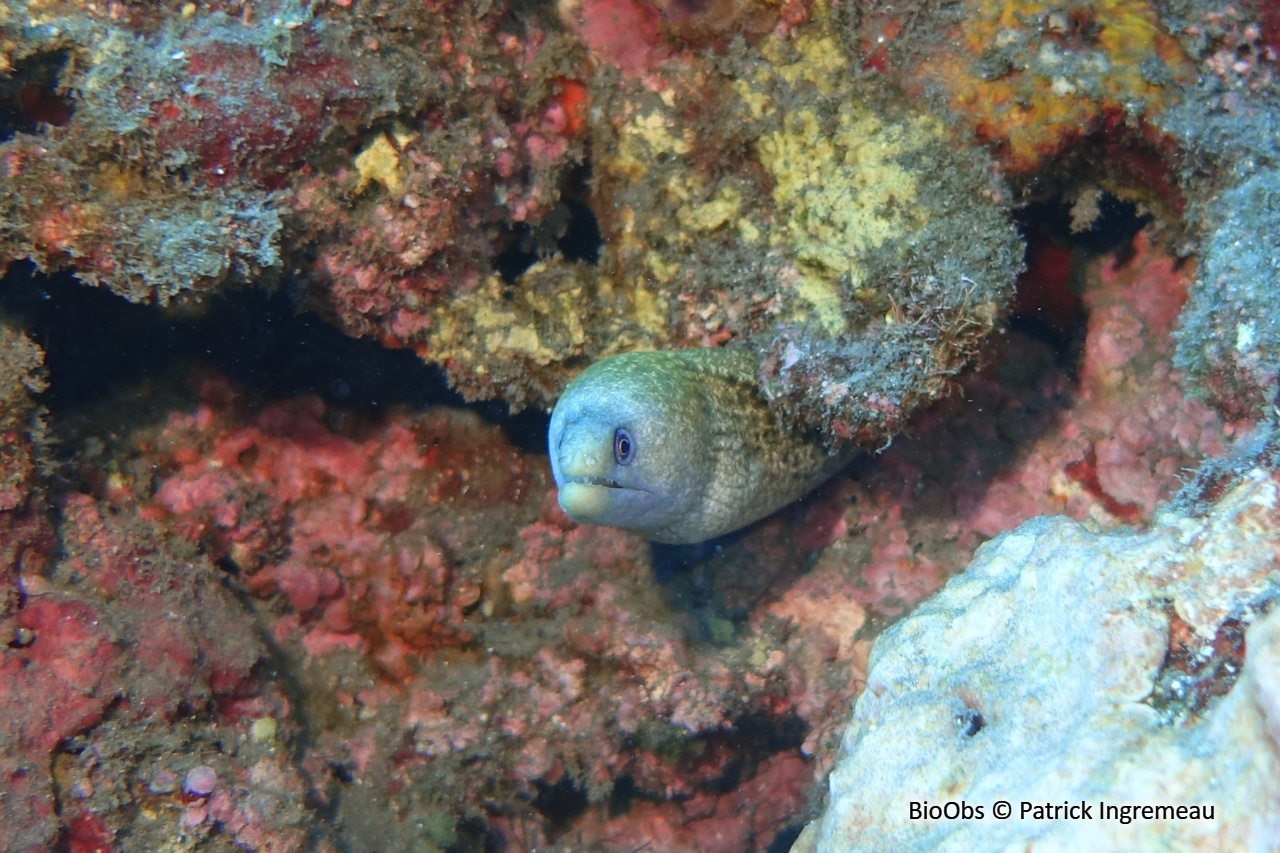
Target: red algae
<point>245,118</point>
<point>625,33</point>
<point>119,633</point>
<point>1130,430</point>
<point>416,572</point>
<point>360,567</point>
<point>445,628</point>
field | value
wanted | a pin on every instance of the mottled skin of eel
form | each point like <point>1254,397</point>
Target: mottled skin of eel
<point>678,446</point>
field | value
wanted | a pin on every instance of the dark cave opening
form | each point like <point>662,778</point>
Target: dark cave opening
<point>29,95</point>
<point>97,345</point>
<point>571,230</point>
<point>1048,305</point>
<point>560,803</point>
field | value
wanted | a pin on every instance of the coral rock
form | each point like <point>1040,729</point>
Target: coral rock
<point>1045,673</point>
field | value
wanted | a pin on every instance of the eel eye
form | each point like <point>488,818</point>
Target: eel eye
<point>624,448</point>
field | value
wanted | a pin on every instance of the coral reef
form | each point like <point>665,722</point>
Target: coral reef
<point>1082,662</point>
<point>1032,78</point>
<point>349,532</point>
<point>756,174</point>
<point>192,146</point>
<point>819,243</point>
<point>437,646</point>
<point>463,652</point>
<point>231,622</point>
<point>394,159</point>
<point>415,575</point>
<point>25,530</point>
<point>122,633</point>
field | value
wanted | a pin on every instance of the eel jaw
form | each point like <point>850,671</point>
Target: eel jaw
<point>587,499</point>
<point>594,481</point>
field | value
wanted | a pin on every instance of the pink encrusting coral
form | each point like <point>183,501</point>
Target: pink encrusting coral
<point>124,656</point>
<point>1018,439</point>
<point>123,638</point>
<point>173,661</point>
<point>59,683</point>
<point>637,36</point>
<point>359,567</point>
<point>624,33</point>
<point>421,566</point>
<point>1132,431</point>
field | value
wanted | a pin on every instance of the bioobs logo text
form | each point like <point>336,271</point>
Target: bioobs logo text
<point>950,810</point>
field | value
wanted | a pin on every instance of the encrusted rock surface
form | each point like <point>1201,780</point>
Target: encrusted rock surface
<point>1066,666</point>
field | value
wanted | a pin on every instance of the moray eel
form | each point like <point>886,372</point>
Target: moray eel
<point>678,446</point>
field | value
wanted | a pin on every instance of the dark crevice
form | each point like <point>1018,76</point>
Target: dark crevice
<point>474,836</point>
<point>1048,306</point>
<point>785,839</point>
<point>1116,224</point>
<point>29,95</point>
<point>735,753</point>
<point>570,230</point>
<point>625,790</point>
<point>98,345</point>
<point>560,803</point>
